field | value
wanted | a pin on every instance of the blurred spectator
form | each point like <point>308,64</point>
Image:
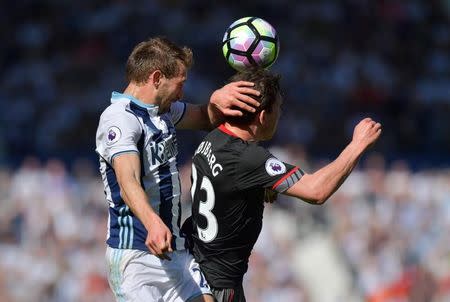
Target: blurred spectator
<point>389,225</point>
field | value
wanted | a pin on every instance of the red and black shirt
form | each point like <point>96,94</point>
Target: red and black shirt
<point>229,178</point>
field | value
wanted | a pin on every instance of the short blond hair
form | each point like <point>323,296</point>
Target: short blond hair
<point>157,54</point>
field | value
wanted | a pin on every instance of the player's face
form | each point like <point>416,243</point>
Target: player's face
<point>271,124</point>
<point>171,90</point>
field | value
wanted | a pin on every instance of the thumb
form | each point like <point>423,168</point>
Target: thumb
<point>169,243</point>
<point>169,249</point>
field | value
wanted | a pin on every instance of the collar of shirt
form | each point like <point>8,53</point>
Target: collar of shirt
<point>117,96</point>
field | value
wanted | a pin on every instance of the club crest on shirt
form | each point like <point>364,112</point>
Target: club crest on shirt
<point>275,167</point>
<point>113,135</point>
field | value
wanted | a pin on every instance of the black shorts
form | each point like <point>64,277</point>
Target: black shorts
<point>229,294</point>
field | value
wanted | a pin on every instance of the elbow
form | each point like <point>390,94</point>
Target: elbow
<point>310,190</point>
<point>321,201</point>
<point>319,197</point>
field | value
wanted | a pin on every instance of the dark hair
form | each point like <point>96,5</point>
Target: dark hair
<point>267,83</point>
<point>156,54</point>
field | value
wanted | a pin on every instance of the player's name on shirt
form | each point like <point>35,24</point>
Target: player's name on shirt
<point>205,150</point>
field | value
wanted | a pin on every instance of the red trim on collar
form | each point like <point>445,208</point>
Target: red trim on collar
<point>226,130</point>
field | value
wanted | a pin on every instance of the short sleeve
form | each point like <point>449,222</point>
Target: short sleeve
<point>177,111</point>
<point>259,168</point>
<point>118,132</point>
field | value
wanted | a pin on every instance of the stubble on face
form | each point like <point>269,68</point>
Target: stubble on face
<point>172,90</point>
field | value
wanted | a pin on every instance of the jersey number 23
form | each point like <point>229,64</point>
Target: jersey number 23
<point>205,207</point>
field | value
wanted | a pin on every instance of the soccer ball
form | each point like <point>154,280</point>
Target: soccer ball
<point>250,41</point>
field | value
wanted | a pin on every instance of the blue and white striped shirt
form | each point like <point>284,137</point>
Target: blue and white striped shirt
<point>128,125</point>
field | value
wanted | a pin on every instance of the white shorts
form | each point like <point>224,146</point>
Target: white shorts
<point>136,275</point>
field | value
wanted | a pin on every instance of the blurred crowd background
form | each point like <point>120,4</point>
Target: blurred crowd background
<point>382,237</point>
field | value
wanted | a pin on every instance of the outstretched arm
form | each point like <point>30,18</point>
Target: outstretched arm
<point>319,186</point>
<point>226,101</point>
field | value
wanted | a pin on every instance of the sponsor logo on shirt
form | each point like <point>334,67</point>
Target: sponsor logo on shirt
<point>162,151</point>
<point>275,167</point>
<point>114,135</point>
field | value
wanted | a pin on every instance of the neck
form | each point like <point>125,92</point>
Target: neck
<point>246,133</point>
<point>142,93</point>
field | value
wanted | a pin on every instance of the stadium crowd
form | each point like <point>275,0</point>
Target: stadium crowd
<point>384,231</point>
<point>60,59</point>
<point>383,224</point>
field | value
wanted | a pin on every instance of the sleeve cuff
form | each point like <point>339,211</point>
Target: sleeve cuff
<point>288,180</point>
<point>120,153</point>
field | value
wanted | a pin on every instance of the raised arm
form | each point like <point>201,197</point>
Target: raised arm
<point>223,102</point>
<point>319,186</point>
<point>128,171</point>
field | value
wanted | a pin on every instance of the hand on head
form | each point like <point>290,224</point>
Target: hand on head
<point>234,97</point>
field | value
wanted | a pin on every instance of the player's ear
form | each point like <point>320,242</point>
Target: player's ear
<point>262,117</point>
<point>155,78</point>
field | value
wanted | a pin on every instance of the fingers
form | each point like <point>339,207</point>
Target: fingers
<point>242,105</point>
<point>270,196</point>
<point>247,90</point>
<point>374,131</point>
<point>151,249</point>
<point>245,99</point>
<point>169,247</point>
<point>367,132</point>
<point>235,97</point>
<point>378,129</point>
<point>370,123</point>
<point>242,83</point>
<point>374,125</point>
<point>160,247</point>
<point>161,251</point>
<point>231,112</point>
<point>164,256</point>
<point>243,91</point>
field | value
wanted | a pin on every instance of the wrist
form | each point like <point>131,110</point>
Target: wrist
<point>357,147</point>
<point>213,114</point>
<point>150,219</point>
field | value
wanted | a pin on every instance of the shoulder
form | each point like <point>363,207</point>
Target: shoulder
<point>115,108</point>
<point>253,156</point>
<point>255,151</point>
<point>118,110</point>
<point>118,114</point>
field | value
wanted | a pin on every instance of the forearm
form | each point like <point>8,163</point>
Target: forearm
<point>136,199</point>
<point>328,179</point>
<point>212,116</point>
<point>319,186</point>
